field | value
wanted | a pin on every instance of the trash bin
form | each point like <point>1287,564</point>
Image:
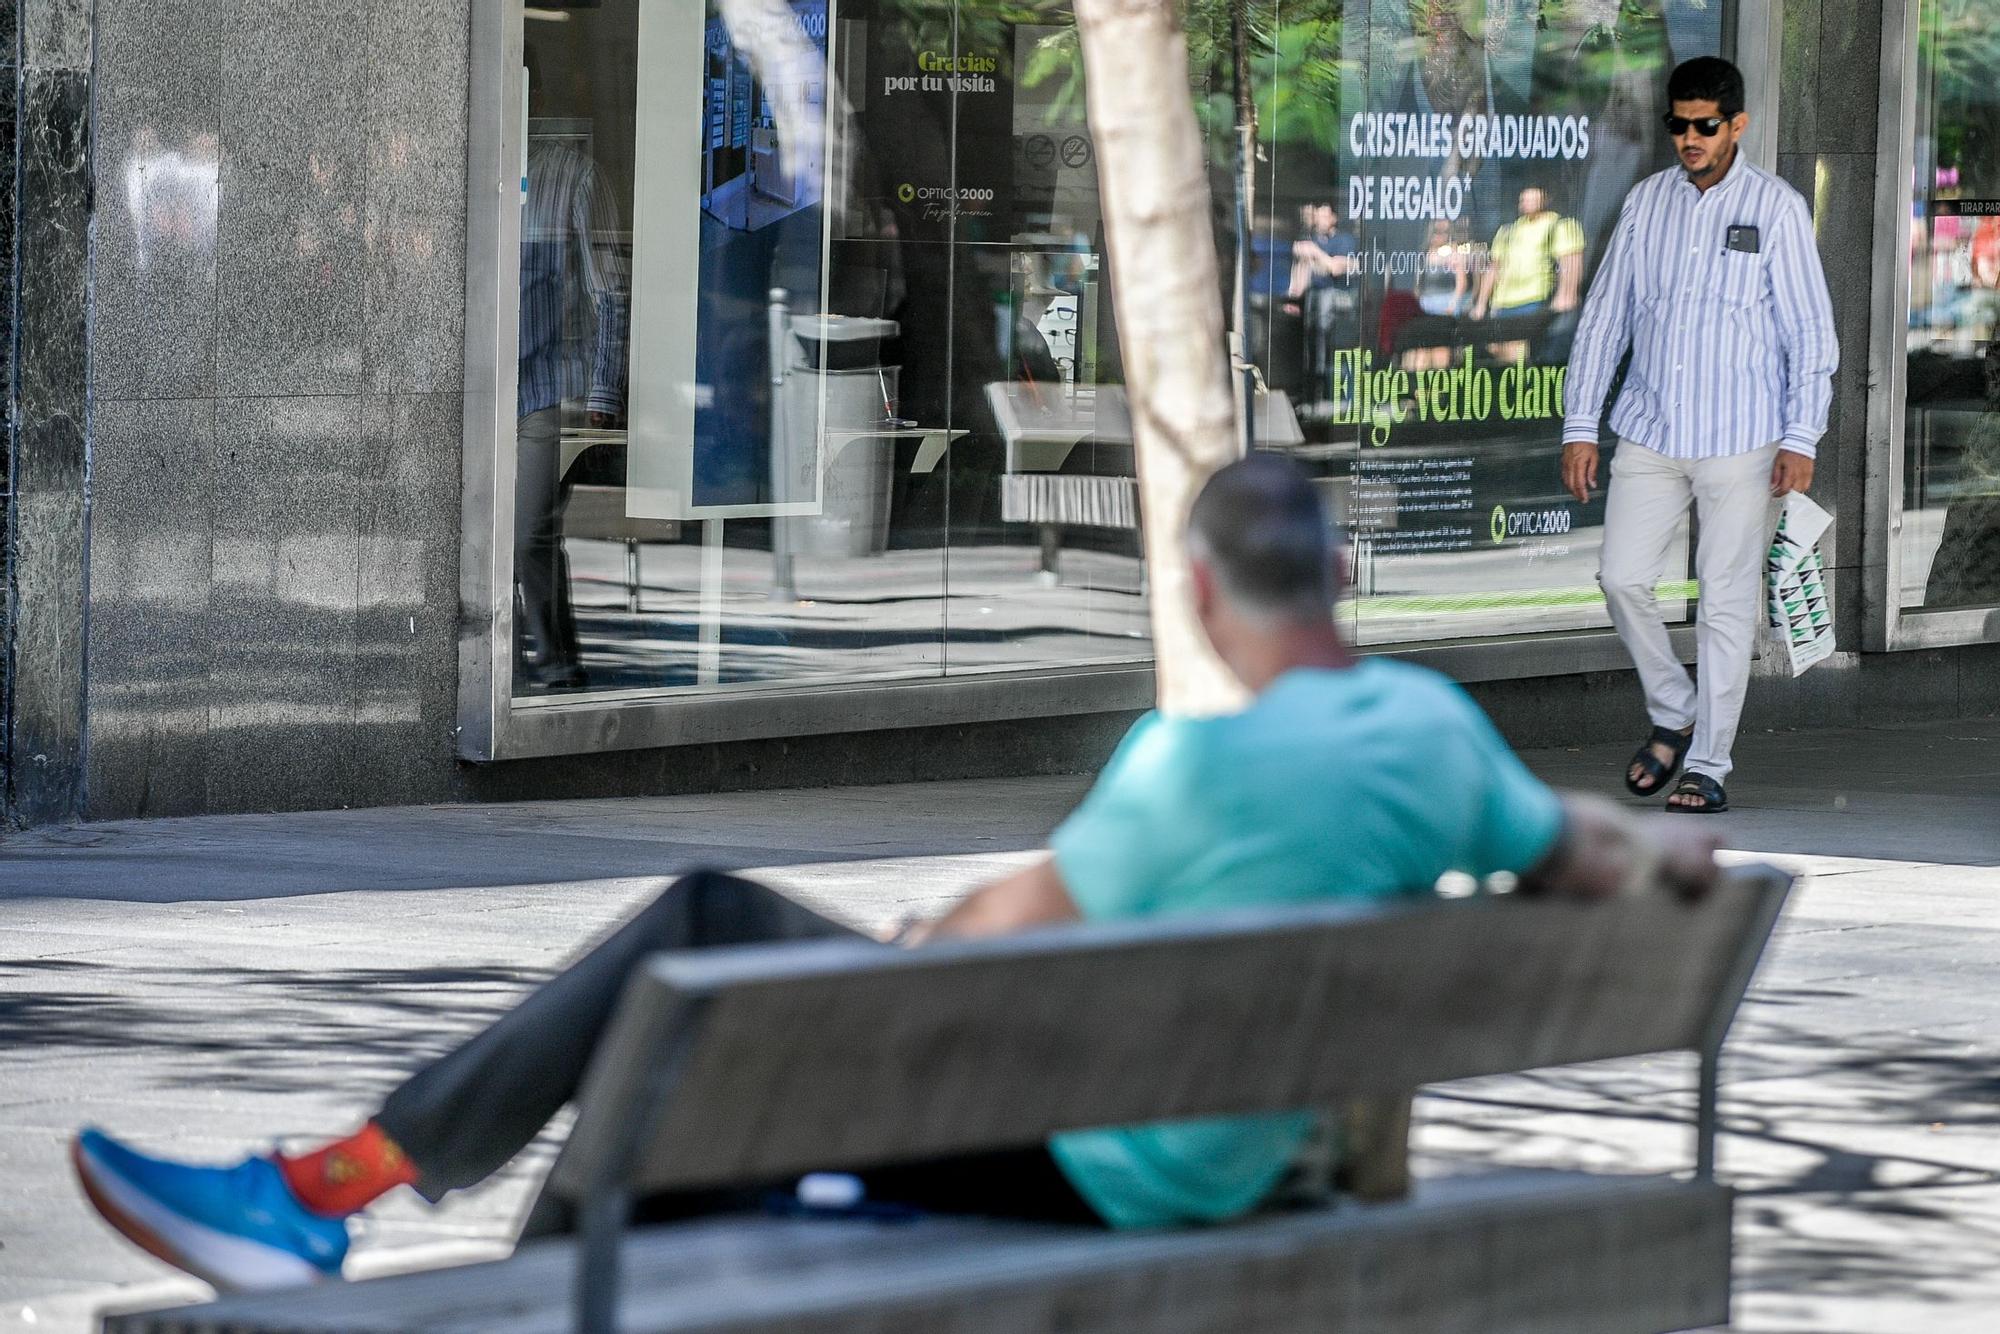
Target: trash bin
<point>857,358</point>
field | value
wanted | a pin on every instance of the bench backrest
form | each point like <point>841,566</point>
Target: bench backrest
<point>741,1065</point>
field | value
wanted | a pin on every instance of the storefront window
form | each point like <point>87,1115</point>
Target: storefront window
<point>1951,481</point>
<point>820,375</point>
<point>1442,182</point>
<point>868,329</point>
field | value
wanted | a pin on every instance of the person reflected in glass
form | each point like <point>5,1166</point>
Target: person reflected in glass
<point>1536,268</point>
<point>1275,318</point>
<point>1446,278</point>
<point>575,323</point>
<point>1443,290</point>
<point>1322,289</point>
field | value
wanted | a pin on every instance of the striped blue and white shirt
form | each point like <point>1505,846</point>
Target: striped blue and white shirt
<point>571,247</point>
<point>1732,349</point>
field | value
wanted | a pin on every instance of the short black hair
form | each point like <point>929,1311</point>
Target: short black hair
<point>1707,79</point>
<point>1259,524</point>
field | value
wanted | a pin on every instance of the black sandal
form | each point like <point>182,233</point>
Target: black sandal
<point>1649,764</point>
<point>1714,800</point>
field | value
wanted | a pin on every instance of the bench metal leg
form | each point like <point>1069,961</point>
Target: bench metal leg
<point>632,575</point>
<point>1375,1142</point>
<point>1051,571</point>
<point>603,1220</point>
<point>1706,1117</point>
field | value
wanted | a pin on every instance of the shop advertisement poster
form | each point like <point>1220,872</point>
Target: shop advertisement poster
<point>1473,177</point>
<point>923,97</point>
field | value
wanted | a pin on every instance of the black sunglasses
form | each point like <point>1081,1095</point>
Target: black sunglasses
<point>1707,126</point>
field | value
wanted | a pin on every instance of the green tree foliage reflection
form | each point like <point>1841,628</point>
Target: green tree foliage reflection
<point>1959,43</point>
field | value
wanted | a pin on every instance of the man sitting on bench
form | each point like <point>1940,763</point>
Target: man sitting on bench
<point>1345,777</point>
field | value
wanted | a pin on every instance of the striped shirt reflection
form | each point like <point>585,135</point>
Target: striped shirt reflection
<point>575,285</point>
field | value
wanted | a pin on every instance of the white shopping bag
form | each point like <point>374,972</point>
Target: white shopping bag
<point>1795,581</point>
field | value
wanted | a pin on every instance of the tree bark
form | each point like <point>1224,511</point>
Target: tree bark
<point>1153,184</point>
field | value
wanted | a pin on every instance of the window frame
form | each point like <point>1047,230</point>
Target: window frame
<point>494,725</point>
<point>1887,625</point>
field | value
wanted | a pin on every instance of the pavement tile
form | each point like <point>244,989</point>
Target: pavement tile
<point>205,984</point>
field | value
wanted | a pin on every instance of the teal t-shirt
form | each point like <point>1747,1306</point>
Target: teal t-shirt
<point>1364,782</point>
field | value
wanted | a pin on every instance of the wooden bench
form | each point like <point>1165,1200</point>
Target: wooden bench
<point>741,1065</point>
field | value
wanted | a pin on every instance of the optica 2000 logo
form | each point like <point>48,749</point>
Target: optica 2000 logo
<point>941,194</point>
<point>1529,523</point>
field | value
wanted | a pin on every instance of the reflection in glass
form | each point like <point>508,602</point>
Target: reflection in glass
<point>1951,482</point>
<point>575,299</point>
<point>1438,182</point>
<point>820,294</point>
<point>172,196</point>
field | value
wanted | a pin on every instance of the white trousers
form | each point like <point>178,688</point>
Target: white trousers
<point>1649,494</point>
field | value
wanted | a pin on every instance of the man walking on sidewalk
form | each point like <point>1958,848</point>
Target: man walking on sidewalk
<point>1343,778</point>
<point>1713,280</point>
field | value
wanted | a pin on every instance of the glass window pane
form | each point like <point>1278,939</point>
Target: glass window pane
<point>1951,478</point>
<point>724,478</point>
<point>1044,545</point>
<point>1438,183</point>
<point>820,370</point>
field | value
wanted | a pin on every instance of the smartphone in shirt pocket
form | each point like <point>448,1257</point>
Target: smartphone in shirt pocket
<point>1741,272</point>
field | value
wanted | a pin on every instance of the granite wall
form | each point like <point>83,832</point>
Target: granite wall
<point>1828,88</point>
<point>47,530</point>
<point>276,377</point>
<point>10,74</point>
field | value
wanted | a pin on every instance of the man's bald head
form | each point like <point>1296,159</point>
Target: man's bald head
<point>1259,526</point>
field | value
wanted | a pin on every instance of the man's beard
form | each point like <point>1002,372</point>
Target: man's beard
<point>1717,164</point>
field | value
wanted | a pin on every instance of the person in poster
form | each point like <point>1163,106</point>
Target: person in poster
<point>1714,282</point>
<point>1536,267</point>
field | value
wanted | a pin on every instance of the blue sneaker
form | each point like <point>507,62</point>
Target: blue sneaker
<point>237,1228</point>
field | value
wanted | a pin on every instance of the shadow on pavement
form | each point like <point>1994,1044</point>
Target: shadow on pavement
<point>1847,1158</point>
<point>245,857</point>
<point>277,1030</point>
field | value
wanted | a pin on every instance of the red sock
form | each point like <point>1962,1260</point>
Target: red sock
<point>349,1174</point>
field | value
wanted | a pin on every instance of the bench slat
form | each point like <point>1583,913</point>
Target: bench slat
<point>731,1066</point>
<point>1498,1253</point>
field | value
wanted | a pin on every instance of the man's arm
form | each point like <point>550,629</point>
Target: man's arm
<point>1806,337</point>
<point>1567,244</point>
<point>1338,265</point>
<point>1033,896</point>
<point>1603,852</point>
<point>1601,334</point>
<point>594,221</point>
<point>1488,276</point>
<point>1301,274</point>
<point>1569,281</point>
<point>1318,260</point>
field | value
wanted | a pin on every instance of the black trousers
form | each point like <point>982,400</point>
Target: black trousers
<point>541,569</point>
<point>465,1115</point>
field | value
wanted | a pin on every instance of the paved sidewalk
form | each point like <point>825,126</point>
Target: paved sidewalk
<point>202,984</point>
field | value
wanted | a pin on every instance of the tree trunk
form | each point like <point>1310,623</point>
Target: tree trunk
<point>1153,184</point>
